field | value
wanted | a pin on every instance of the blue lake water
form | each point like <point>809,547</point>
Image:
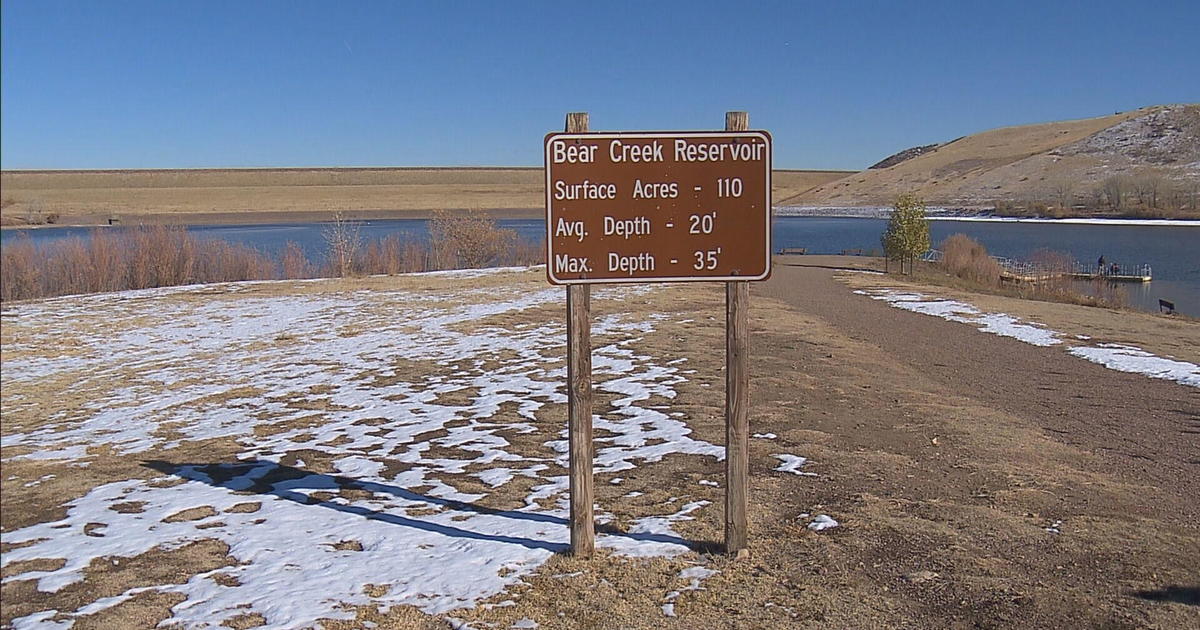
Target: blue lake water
<point>1172,251</point>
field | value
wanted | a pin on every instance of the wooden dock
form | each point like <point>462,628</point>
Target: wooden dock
<point>1111,277</point>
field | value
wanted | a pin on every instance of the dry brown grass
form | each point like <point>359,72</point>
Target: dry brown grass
<point>234,195</point>
<point>967,258</point>
<point>970,510</point>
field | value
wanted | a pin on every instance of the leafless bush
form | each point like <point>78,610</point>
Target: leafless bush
<point>415,256</point>
<point>294,263</point>
<point>344,241</point>
<point>967,258</point>
<point>527,252</point>
<point>384,256</point>
<point>1053,268</point>
<point>1115,188</point>
<point>140,258</point>
<point>468,241</point>
<point>19,278</point>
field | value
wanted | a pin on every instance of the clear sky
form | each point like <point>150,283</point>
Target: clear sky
<point>840,85</point>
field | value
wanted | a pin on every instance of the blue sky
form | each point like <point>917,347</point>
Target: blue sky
<point>164,84</point>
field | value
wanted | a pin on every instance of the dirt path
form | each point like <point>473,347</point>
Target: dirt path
<point>1144,429</point>
<point>980,481</point>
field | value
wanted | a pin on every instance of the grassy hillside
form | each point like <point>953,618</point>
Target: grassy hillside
<point>1060,162</point>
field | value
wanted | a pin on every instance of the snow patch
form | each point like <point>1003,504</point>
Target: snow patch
<point>822,522</point>
<point>694,575</point>
<point>792,464</point>
<point>1133,359</point>
<point>1123,358</point>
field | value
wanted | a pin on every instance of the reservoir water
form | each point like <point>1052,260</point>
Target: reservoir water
<point>1172,251</point>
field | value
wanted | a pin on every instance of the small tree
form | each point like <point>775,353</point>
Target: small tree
<point>343,240</point>
<point>1114,191</point>
<point>907,233</point>
<point>1063,191</point>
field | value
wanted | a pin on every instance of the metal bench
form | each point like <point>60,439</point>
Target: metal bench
<point>1166,307</point>
<point>787,251</point>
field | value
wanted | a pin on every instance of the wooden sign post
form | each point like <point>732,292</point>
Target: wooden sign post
<point>657,207</point>
<point>737,384</point>
<point>579,399</point>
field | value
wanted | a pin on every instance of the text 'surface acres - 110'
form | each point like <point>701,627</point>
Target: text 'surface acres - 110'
<point>658,207</point>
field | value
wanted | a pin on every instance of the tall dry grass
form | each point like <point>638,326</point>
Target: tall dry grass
<point>139,258</point>
<point>966,258</point>
<point>158,256</point>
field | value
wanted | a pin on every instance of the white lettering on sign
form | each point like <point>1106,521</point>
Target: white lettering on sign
<point>570,228</point>
<point>630,264</point>
<point>585,190</point>
<point>651,190</point>
<point>687,151</point>
<point>621,152</point>
<point>639,226</point>
<point>570,264</point>
<point>572,153</point>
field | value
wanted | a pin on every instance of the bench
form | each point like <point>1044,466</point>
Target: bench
<point>787,251</point>
<point>852,252</point>
<point>1166,307</point>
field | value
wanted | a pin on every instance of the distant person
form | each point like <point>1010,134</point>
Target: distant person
<point>1100,266</point>
<point>1114,270</point>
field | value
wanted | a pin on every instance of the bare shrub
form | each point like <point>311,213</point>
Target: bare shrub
<point>1063,192</point>
<point>1053,269</point>
<point>416,256</point>
<point>107,261</point>
<point>1115,188</point>
<point>219,261</point>
<point>527,252</point>
<point>19,279</point>
<point>967,258</point>
<point>294,263</point>
<point>344,241</point>
<point>384,256</point>
<point>468,241</point>
<point>140,258</point>
<point>1109,293</point>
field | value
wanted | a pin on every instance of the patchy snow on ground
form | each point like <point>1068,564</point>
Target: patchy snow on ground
<point>822,522</point>
<point>792,464</point>
<point>1123,358</point>
<point>1133,359</point>
<point>995,323</point>
<point>694,575</point>
<point>325,374</point>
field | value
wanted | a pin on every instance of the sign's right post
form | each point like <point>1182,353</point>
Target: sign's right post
<point>737,384</point>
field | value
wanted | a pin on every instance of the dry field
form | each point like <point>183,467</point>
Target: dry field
<point>391,450</point>
<point>278,195</point>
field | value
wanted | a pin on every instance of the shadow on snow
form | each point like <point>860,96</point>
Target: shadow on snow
<point>284,482</point>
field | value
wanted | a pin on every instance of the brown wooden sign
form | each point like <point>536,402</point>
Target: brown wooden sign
<point>658,206</point>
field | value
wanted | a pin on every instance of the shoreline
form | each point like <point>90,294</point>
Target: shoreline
<point>268,217</point>
<point>322,216</point>
<point>980,215</point>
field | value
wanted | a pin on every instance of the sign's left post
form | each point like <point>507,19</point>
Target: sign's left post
<point>579,398</point>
